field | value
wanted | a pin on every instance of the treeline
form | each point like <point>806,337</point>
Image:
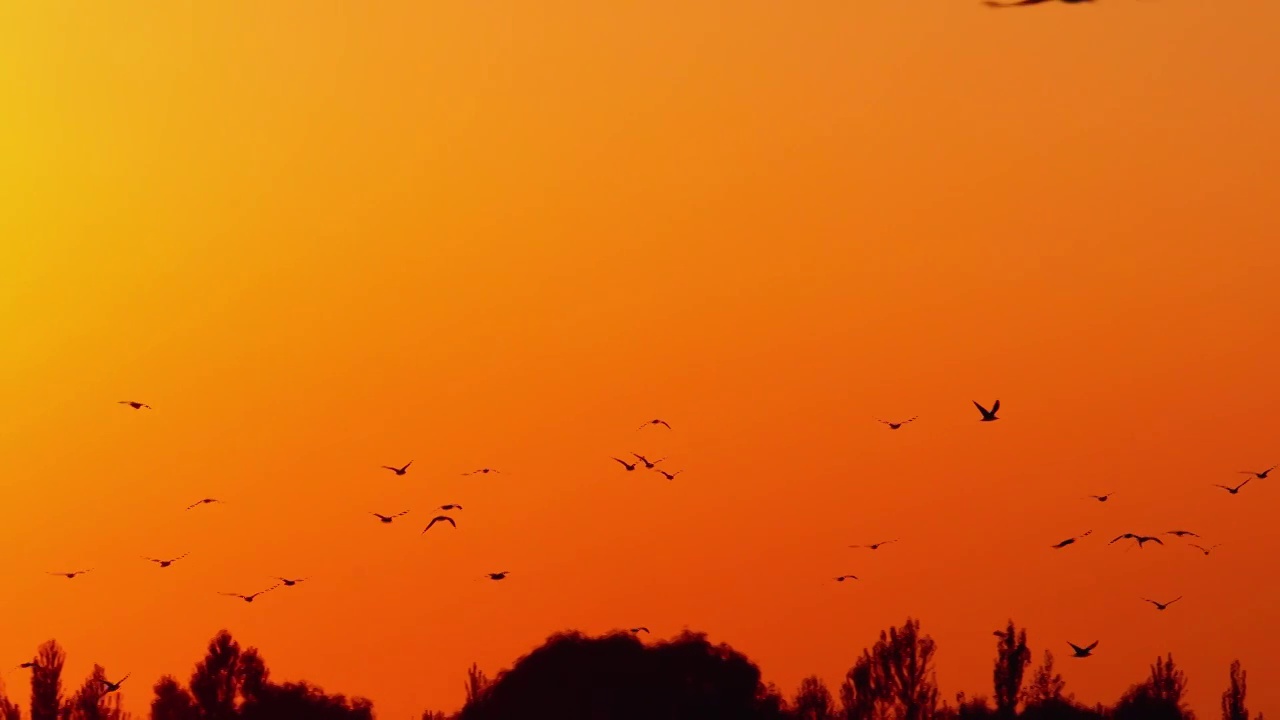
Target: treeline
<point>617,677</point>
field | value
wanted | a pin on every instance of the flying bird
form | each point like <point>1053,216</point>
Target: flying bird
<point>1160,605</point>
<point>1083,651</point>
<point>134,404</point>
<point>896,425</point>
<point>71,574</point>
<point>249,598</point>
<point>1140,538</point>
<point>389,518</point>
<point>994,4</point>
<point>287,582</point>
<point>1181,533</point>
<point>874,546</point>
<point>1233,490</point>
<point>1203,549</point>
<point>1260,475</point>
<point>988,415</point>
<point>655,422</point>
<point>482,471</point>
<point>667,475</point>
<point>1102,498</point>
<point>648,465</point>
<point>399,470</point>
<point>110,687</point>
<point>627,465</point>
<point>166,563</point>
<point>498,575</point>
<point>1071,540</point>
<point>842,578</point>
<point>638,630</point>
<point>439,518</point>
<point>450,506</point>
<point>205,501</point>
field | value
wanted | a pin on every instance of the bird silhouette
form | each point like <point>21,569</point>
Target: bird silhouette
<point>641,629</point>
<point>1203,549</point>
<point>436,519</point>
<point>667,475</point>
<point>134,404</point>
<point>450,506</point>
<point>1260,475</point>
<point>874,546</point>
<point>988,415</point>
<point>110,687</point>
<point>498,575</point>
<point>994,4</point>
<point>648,465</point>
<point>1181,533</point>
<point>1071,540</point>
<point>249,598</point>
<point>655,422</point>
<point>399,470</point>
<point>1233,490</point>
<point>287,582</point>
<point>71,574</point>
<point>1102,498</point>
<point>896,425</point>
<point>1141,539</point>
<point>1083,651</point>
<point>1162,606</point>
<point>482,471</point>
<point>842,578</point>
<point>205,501</point>
<point>627,465</point>
<point>166,563</point>
<point>389,518</point>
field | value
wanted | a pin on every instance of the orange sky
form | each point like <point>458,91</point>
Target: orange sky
<point>320,237</point>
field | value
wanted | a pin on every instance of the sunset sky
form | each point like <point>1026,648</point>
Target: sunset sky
<point>320,237</point>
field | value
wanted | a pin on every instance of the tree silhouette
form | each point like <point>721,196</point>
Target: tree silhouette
<point>1159,697</point>
<point>226,678</point>
<point>1012,658</point>
<point>1233,707</point>
<point>172,701</point>
<point>46,682</point>
<point>895,678</point>
<point>813,701</point>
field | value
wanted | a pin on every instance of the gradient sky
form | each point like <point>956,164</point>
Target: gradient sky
<point>319,237</point>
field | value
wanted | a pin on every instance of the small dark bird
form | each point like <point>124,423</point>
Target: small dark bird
<point>1160,605</point>
<point>655,422</point>
<point>498,575</point>
<point>994,4</point>
<point>1181,533</point>
<point>988,415</point>
<point>249,598</point>
<point>482,471</point>
<point>1083,651</point>
<point>627,465</point>
<point>1260,475</point>
<point>638,630</point>
<point>842,578</point>
<point>1071,540</point>
<point>450,506</point>
<point>134,404</point>
<point>1203,549</point>
<point>166,563</point>
<point>874,546</point>
<point>439,518</point>
<point>110,687</point>
<point>389,518</point>
<point>667,475</point>
<point>205,501</point>
<point>1233,490</point>
<point>1102,498</point>
<point>896,425</point>
<point>399,470</point>
<point>1140,538</point>
<point>648,465</point>
<point>287,582</point>
<point>71,574</point>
